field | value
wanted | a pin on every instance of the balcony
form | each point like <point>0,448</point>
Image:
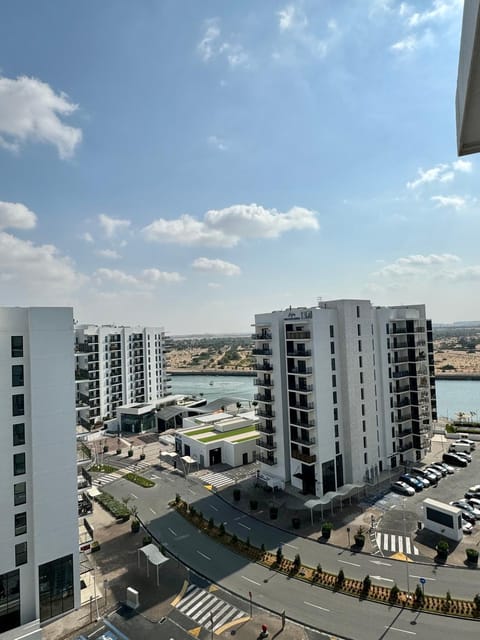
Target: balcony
<point>263,413</point>
<point>401,360</point>
<point>258,382</point>
<point>81,374</point>
<point>399,345</point>
<point>403,433</point>
<point>264,429</point>
<point>303,424</point>
<point>262,352</point>
<point>402,403</point>
<point>304,457</point>
<point>270,460</point>
<point>397,331</point>
<point>405,447</point>
<point>303,406</point>
<point>306,371</point>
<point>298,335</point>
<point>264,444</point>
<point>403,388</point>
<point>262,336</point>
<point>306,442</point>
<point>260,397</point>
<point>307,388</point>
<point>401,374</point>
<point>83,348</point>
<point>259,366</point>
<point>404,418</point>
<point>299,354</point>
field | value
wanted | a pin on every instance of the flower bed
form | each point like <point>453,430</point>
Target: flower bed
<point>140,480</point>
<point>316,576</point>
<point>113,506</point>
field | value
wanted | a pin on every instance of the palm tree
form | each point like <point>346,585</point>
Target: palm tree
<point>461,416</point>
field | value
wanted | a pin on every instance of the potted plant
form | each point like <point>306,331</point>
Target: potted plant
<point>253,505</point>
<point>142,456</point>
<point>95,546</point>
<point>359,538</point>
<point>130,453</point>
<point>296,522</point>
<point>472,556</point>
<point>236,495</point>
<point>119,451</point>
<point>326,530</point>
<point>135,526</point>
<point>442,549</point>
<point>273,513</point>
<point>105,448</point>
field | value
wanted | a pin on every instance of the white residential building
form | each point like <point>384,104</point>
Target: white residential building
<point>345,392</point>
<point>117,366</point>
<point>39,565</point>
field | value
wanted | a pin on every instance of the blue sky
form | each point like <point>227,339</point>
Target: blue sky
<point>189,164</point>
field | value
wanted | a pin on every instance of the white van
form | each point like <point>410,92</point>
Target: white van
<point>463,437</point>
<point>459,446</point>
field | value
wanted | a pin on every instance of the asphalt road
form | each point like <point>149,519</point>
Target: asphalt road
<point>316,607</point>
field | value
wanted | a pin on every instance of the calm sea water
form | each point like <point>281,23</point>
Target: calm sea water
<point>452,395</point>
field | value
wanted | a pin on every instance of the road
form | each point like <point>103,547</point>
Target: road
<point>316,607</point>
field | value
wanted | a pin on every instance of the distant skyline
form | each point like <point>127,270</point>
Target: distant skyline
<point>189,164</point>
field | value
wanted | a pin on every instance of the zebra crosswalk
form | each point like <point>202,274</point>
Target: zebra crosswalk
<point>396,544</point>
<point>106,478</point>
<point>217,480</point>
<point>207,609</point>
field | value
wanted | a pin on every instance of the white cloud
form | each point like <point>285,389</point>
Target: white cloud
<point>217,143</point>
<point>30,110</point>
<point>414,42</point>
<point>294,25</point>
<point>214,285</point>
<point>87,237</point>
<point>111,225</point>
<point>439,10</point>
<point>462,165</point>
<point>414,265</point>
<point>156,276</point>
<point>440,173</point>
<point>31,266</point>
<point>218,266</point>
<point>110,254</point>
<point>115,276</point>
<point>212,46</point>
<point>14,215</point>
<point>227,227</point>
<point>457,202</point>
<point>291,17</point>
<point>410,43</point>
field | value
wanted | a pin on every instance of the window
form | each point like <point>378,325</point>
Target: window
<point>359,345</point>
<point>363,409</point>
<point>335,413</point>
<point>333,364</point>
<point>18,434</point>
<point>20,554</point>
<point>17,375</point>
<point>18,404</point>
<point>365,458</point>
<point>362,394</point>
<point>337,448</point>
<point>361,377</point>
<point>10,600</point>
<point>19,464</point>
<point>359,329</point>
<point>332,334</point>
<point>364,426</point>
<point>332,348</point>
<point>19,493</point>
<point>17,346</point>
<point>334,397</point>
<point>364,442</point>
<point>336,431</point>
<point>358,311</point>
<point>20,523</point>
<point>55,585</point>
<point>360,361</point>
<point>334,381</point>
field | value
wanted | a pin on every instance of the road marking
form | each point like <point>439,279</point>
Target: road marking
<point>134,496</point>
<point>202,554</point>
<point>184,537</point>
<point>433,579</point>
<point>191,491</point>
<point>412,633</point>
<point>94,632</point>
<point>252,581</point>
<point>152,475</point>
<point>352,563</point>
<point>240,524</point>
<point>381,578</point>
<point>292,547</point>
<point>212,507</point>
<point>239,518</point>
<point>317,606</point>
<point>386,564</point>
<point>172,531</point>
<point>154,512</point>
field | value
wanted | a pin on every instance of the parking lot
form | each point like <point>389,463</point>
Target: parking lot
<point>398,526</point>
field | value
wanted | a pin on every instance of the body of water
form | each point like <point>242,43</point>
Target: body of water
<point>452,395</point>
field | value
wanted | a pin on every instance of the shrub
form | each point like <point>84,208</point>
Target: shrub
<point>419,597</point>
<point>472,555</point>
<point>211,523</point>
<point>193,511</point>
<point>394,591</point>
<point>236,495</point>
<point>221,529</point>
<point>135,526</point>
<point>279,555</point>
<point>476,601</point>
<point>253,505</point>
<point>319,568</point>
<point>146,540</point>
<point>247,542</point>
<point>273,513</point>
<point>296,523</point>
<point>142,456</point>
<point>327,530</point>
<point>262,548</point>
<point>119,451</point>
<point>113,506</point>
<point>443,548</point>
<point>367,583</point>
<point>340,578</point>
<point>234,539</point>
<point>140,480</point>
<point>177,498</point>
<point>297,563</point>
<point>130,453</point>
<point>105,448</point>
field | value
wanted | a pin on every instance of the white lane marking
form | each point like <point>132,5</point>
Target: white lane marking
<point>317,606</point>
<point>240,524</point>
<point>239,518</point>
<point>250,580</point>
<point>382,578</point>
<point>154,512</point>
<point>433,579</point>
<point>191,491</point>
<point>172,531</point>
<point>152,475</point>
<point>352,563</point>
<point>291,546</point>
<point>386,564</point>
<point>134,496</point>
<point>203,555</point>
<point>412,633</point>
<point>212,507</point>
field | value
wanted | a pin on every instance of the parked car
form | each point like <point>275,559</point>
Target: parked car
<point>465,506</point>
<point>439,467</point>
<point>471,443</point>
<point>431,469</point>
<point>453,459</point>
<point>467,527</point>
<point>403,488</point>
<point>426,483</point>
<point>475,502</point>
<point>473,492</point>
<point>425,473</point>
<point>465,456</point>
<point>413,482</point>
<point>443,465</point>
<point>469,517</point>
<point>456,446</point>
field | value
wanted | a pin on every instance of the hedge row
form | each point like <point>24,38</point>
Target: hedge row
<point>116,508</point>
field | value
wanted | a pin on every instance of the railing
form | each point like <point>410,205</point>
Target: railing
<point>264,429</point>
<point>299,354</point>
<point>404,418</point>
<point>403,403</point>
<point>81,374</point>
<point>305,389</point>
<point>304,457</point>
<point>261,336</point>
<point>394,332</point>
<point>262,352</point>
<point>263,398</point>
<point>264,444</point>
<point>258,382</point>
<point>303,425</point>
<point>401,374</point>
<point>306,406</point>
<point>271,460</point>
<point>301,372</point>
<point>403,433</point>
<point>83,348</point>
<point>403,389</point>
<point>307,442</point>
<point>400,345</point>
<point>262,367</point>
<point>265,414</point>
<point>406,447</point>
<point>298,335</point>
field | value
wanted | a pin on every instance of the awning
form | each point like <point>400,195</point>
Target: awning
<point>168,454</point>
<point>153,556</point>
<point>188,460</point>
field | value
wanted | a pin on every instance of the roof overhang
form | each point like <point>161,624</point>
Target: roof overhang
<point>468,81</point>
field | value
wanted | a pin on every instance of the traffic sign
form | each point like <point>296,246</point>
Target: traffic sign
<point>422,581</point>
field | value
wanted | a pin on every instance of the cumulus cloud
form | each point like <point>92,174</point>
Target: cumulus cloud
<point>14,215</point>
<point>227,227</point>
<point>408,44</point>
<point>110,254</point>
<point>457,202</point>
<point>416,264</point>
<point>440,173</point>
<point>212,46</point>
<point>110,225</point>
<point>216,265</point>
<point>87,237</point>
<point>157,276</point>
<point>31,266</point>
<point>291,17</point>
<point>293,24</point>
<point>217,143</point>
<point>30,110</point>
<point>214,285</point>
<point>115,276</point>
<point>439,10</point>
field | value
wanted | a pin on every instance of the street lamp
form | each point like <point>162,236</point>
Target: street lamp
<point>348,534</point>
<point>406,555</point>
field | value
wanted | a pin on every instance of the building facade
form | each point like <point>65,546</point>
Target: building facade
<point>39,565</point>
<point>117,366</point>
<point>345,391</point>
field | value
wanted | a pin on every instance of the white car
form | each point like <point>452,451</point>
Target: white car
<point>436,472</point>
<point>448,468</point>
<point>464,455</point>
<point>475,488</point>
<point>403,488</point>
<point>471,443</point>
<point>467,526</point>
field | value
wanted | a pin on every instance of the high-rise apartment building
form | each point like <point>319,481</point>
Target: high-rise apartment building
<point>39,566</point>
<point>117,366</point>
<point>345,390</point>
